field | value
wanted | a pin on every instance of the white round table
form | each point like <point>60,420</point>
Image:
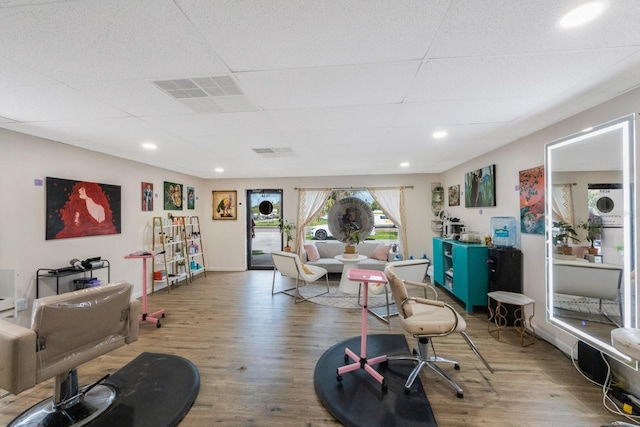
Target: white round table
<point>346,285</point>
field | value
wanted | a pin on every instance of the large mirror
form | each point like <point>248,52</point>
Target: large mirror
<point>590,231</point>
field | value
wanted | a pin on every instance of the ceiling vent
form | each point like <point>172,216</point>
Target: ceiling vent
<point>203,95</point>
<point>275,152</point>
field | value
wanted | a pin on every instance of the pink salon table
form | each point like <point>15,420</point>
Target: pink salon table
<point>361,362</point>
<point>146,317</point>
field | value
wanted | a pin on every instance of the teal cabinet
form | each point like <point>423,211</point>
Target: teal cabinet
<point>461,268</point>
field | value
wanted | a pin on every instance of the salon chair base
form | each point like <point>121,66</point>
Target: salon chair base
<point>89,406</point>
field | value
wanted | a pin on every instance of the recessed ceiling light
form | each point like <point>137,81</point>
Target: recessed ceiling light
<point>149,146</point>
<point>404,164</point>
<point>219,170</point>
<point>439,134</point>
<point>583,14</point>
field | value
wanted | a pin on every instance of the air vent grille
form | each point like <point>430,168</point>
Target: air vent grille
<point>275,152</point>
<point>203,95</point>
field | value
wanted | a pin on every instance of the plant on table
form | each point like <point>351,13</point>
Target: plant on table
<point>287,228</point>
<point>350,233</point>
<point>563,232</point>
<point>594,227</point>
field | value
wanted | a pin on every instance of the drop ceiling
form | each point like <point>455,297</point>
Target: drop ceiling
<point>305,87</point>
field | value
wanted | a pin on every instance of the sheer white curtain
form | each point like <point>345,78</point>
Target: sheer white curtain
<point>391,201</point>
<point>562,203</point>
<point>309,204</point>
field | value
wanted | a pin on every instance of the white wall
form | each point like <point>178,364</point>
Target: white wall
<point>23,247</point>
<point>524,154</point>
<point>231,256</point>
<point>22,222</point>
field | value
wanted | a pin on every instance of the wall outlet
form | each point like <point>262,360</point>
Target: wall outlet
<point>21,304</point>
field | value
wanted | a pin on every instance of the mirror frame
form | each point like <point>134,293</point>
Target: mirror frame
<point>626,125</point>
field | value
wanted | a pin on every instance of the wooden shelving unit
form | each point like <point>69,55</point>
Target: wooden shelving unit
<point>170,265</point>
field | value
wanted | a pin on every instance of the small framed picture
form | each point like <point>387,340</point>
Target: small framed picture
<point>147,196</point>
<point>172,196</point>
<point>454,195</point>
<point>225,204</point>
<point>191,198</point>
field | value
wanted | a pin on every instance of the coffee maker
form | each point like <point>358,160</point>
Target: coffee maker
<point>452,229</point>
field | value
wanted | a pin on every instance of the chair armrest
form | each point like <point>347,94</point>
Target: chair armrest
<point>18,356</point>
<point>135,309</point>
<point>424,286</point>
<point>428,301</point>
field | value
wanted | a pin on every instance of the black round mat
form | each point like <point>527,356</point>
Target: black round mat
<point>154,390</point>
<point>358,400</point>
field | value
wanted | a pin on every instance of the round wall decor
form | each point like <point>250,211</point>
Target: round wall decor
<point>265,207</point>
<point>350,209</point>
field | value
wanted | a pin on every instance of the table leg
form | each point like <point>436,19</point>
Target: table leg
<point>146,317</point>
<point>361,362</point>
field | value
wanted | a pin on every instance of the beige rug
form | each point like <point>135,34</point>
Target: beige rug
<point>337,299</point>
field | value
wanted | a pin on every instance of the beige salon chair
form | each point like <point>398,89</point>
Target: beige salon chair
<point>413,270</point>
<point>290,265</point>
<point>426,319</point>
<point>66,331</point>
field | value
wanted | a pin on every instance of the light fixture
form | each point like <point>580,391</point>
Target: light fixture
<point>439,134</point>
<point>149,146</point>
<point>219,170</point>
<point>404,164</point>
<point>583,14</point>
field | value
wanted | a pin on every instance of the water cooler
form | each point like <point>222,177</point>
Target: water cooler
<point>505,274</point>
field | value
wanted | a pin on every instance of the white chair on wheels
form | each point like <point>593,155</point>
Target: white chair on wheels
<point>414,270</point>
<point>426,319</point>
<point>66,331</point>
<point>290,265</point>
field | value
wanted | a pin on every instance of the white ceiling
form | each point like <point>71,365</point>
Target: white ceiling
<point>333,87</point>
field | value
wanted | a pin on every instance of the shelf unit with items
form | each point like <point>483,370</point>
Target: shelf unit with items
<point>195,249</point>
<point>461,268</point>
<point>169,265</point>
<point>88,278</point>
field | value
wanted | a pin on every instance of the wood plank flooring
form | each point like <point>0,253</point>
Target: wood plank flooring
<point>256,354</point>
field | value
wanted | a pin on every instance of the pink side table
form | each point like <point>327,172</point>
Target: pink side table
<point>361,362</point>
<point>146,317</point>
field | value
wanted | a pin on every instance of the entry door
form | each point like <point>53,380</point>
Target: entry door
<point>264,207</point>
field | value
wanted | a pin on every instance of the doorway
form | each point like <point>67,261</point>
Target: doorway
<point>264,207</point>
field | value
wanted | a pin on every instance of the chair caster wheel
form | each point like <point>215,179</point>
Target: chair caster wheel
<point>346,359</point>
<point>456,366</point>
<point>158,324</point>
<point>163,315</point>
<point>407,390</point>
<point>384,388</point>
<point>339,378</point>
<point>459,395</point>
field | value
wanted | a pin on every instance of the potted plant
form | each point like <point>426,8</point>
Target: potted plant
<point>287,228</point>
<point>565,232</point>
<point>594,227</point>
<point>350,233</point>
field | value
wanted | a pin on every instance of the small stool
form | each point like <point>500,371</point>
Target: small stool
<point>499,316</point>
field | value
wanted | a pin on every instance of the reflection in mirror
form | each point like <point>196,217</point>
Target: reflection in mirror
<point>590,204</point>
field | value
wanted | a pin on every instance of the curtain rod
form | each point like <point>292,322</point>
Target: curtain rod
<point>354,188</point>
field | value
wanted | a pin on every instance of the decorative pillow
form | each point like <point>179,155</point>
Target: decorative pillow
<point>312,253</point>
<point>381,252</point>
<point>306,269</point>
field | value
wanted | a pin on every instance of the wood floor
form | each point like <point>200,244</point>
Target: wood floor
<point>256,354</point>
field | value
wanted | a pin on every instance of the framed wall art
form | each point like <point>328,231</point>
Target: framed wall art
<point>225,205</point>
<point>191,198</point>
<point>172,196</point>
<point>480,187</point>
<point>532,200</point>
<point>147,197</point>
<point>454,195</point>
<point>81,208</point>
